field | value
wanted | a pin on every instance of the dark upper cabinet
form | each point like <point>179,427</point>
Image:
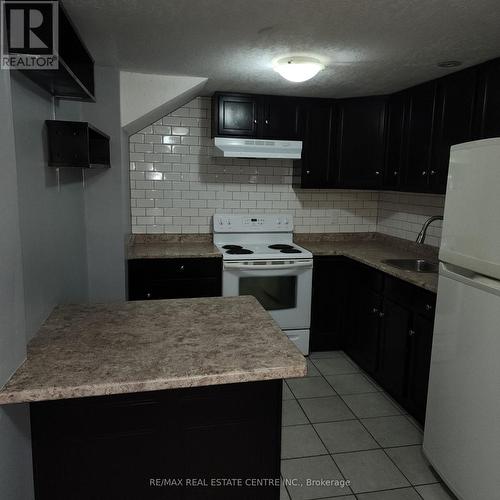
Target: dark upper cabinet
<point>235,115</point>
<point>487,109</point>
<point>360,141</point>
<point>395,147</point>
<point>280,117</point>
<point>453,122</point>
<point>257,116</point>
<point>419,133</point>
<point>315,169</point>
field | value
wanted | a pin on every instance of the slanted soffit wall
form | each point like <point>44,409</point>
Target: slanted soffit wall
<point>145,98</point>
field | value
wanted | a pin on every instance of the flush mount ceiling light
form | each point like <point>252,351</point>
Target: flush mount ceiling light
<point>298,68</point>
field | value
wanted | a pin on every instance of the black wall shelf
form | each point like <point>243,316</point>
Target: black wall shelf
<point>74,79</point>
<point>77,144</point>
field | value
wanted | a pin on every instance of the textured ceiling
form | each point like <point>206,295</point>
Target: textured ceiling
<point>369,46</point>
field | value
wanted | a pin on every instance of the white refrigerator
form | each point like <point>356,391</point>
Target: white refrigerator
<point>462,427</point>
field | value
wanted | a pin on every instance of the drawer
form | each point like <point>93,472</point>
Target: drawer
<point>159,269</point>
<point>410,296</point>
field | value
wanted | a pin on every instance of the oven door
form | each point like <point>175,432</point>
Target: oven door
<point>282,287</point>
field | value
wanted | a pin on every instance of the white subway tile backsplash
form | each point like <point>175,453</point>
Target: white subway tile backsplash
<point>177,184</point>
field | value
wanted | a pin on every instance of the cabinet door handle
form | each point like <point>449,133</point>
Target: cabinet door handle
<point>424,172</point>
<point>375,310</point>
<point>433,172</point>
<point>428,307</point>
<point>377,172</point>
<point>411,333</point>
<point>148,295</point>
<point>267,122</point>
<point>308,172</point>
<point>395,172</point>
<point>181,268</point>
<point>381,314</point>
<point>255,121</point>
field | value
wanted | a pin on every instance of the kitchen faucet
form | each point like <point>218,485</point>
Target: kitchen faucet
<point>427,223</point>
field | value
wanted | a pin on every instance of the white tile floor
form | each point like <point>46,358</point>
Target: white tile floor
<point>339,425</point>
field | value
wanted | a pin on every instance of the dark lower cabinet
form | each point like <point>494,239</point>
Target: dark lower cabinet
<point>420,347</point>
<point>391,371</point>
<point>364,346</point>
<point>383,323</point>
<point>328,303</point>
<point>153,279</point>
<point>173,444</point>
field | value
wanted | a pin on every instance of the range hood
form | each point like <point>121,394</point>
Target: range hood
<point>230,147</point>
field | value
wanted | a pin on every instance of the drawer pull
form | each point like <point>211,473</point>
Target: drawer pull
<point>148,295</point>
<point>375,310</point>
<point>181,268</point>
<point>428,307</point>
<point>411,333</point>
<point>381,314</point>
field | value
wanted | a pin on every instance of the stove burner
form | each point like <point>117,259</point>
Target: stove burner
<point>280,246</point>
<point>239,251</point>
<point>290,250</point>
<point>232,247</point>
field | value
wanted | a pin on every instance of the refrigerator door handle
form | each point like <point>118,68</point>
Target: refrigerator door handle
<point>470,278</point>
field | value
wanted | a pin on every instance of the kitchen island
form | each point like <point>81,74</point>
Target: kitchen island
<point>156,399</point>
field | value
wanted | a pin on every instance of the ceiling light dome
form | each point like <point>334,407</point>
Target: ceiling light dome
<point>298,68</point>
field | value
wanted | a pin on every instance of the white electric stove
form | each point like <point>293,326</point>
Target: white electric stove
<point>260,259</point>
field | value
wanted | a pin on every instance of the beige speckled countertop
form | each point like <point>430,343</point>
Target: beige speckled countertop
<point>368,248</point>
<point>372,249</point>
<point>171,246</point>
<point>99,349</point>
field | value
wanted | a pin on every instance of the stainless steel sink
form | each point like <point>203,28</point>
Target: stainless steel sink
<point>415,265</point>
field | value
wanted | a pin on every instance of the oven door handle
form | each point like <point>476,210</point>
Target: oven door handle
<point>266,267</point>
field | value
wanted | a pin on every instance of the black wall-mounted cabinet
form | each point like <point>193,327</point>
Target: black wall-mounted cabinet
<point>383,323</point>
<point>316,169</point>
<point>419,132</point>
<point>359,150</point>
<point>487,108</point>
<point>74,79</point>
<point>255,116</point>
<point>397,142</point>
<point>77,144</point>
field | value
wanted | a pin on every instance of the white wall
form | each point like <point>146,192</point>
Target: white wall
<point>51,217</point>
<point>15,450</point>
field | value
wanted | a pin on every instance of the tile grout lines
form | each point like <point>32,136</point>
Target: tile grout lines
<point>401,411</point>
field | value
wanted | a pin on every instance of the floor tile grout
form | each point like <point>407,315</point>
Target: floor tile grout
<point>355,418</point>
